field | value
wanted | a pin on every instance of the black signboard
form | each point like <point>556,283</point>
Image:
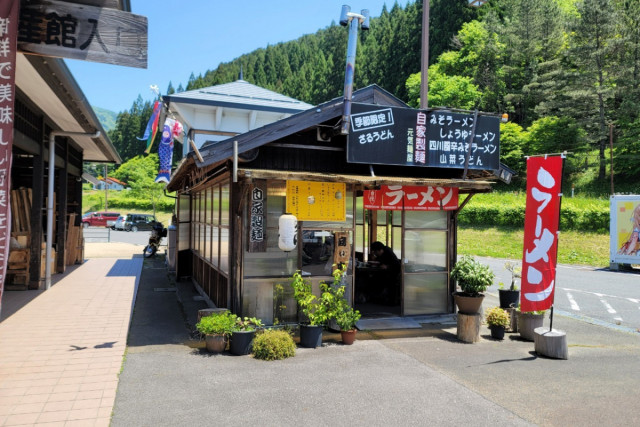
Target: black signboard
<point>409,137</point>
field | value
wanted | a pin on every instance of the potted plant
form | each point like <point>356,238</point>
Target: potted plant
<point>497,319</point>
<point>347,319</point>
<point>528,321</point>
<point>242,337</point>
<point>510,298</point>
<point>316,313</point>
<point>473,278</point>
<point>216,328</point>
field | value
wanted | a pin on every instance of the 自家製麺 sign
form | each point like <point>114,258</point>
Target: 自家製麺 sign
<point>71,30</point>
<point>424,138</point>
<point>316,201</point>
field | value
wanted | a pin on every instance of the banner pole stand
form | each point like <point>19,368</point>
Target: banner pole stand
<point>551,320</point>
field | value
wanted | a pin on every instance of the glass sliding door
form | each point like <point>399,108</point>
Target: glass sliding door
<point>425,263</point>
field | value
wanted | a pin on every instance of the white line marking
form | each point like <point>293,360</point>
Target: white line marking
<point>611,310</point>
<point>634,300</point>
<point>574,304</point>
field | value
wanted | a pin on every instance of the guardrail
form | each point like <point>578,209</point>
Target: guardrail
<point>97,234</point>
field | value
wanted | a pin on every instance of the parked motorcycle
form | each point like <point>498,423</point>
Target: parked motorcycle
<point>158,231</point>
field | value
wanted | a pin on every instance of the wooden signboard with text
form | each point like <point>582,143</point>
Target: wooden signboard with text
<point>70,30</point>
<point>257,237</point>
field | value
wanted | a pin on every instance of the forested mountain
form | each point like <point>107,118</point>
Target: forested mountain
<point>565,71</point>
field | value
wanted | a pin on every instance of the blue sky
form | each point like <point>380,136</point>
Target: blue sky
<point>197,35</point>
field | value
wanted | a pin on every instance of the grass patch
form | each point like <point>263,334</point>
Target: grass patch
<point>574,247</point>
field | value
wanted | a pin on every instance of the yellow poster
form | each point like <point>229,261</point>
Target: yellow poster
<point>316,201</point>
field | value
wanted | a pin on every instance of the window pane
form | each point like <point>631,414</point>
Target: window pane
<point>418,219</point>
<point>425,251</point>
<point>207,205</point>
<point>359,210</point>
<point>224,250</point>
<point>214,248</point>
<point>183,236</point>
<point>207,239</point>
<point>273,262</point>
<point>215,220</point>
<point>184,210</point>
<point>224,204</point>
<point>425,293</point>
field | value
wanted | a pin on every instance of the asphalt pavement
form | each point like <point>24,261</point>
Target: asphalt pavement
<point>402,377</point>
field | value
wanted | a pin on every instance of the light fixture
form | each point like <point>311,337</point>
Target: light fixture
<point>505,118</point>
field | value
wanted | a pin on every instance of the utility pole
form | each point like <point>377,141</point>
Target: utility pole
<point>424,75</point>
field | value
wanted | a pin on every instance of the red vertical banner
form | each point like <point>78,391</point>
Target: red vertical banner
<point>541,220</point>
<point>8,46</point>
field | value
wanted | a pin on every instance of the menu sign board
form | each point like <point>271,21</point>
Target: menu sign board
<point>409,137</point>
<point>316,201</point>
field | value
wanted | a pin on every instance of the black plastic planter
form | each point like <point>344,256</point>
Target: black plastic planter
<point>509,298</point>
<point>497,332</point>
<point>241,342</point>
<point>310,336</point>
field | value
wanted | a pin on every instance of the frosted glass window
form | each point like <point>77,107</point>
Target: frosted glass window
<point>214,247</point>
<point>215,219</point>
<point>421,219</point>
<point>224,204</point>
<point>224,250</point>
<point>425,251</point>
<point>425,293</point>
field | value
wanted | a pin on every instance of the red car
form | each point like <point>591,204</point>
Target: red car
<point>99,219</point>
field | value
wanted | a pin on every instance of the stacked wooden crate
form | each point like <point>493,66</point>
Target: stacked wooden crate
<point>74,244</point>
<point>18,266</point>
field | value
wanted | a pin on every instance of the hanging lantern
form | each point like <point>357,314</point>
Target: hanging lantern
<point>287,232</point>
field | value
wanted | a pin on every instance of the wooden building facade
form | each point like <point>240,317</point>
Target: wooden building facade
<point>229,206</point>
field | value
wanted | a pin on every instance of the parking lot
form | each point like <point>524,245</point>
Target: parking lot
<point>104,234</point>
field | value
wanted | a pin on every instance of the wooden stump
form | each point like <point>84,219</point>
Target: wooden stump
<point>551,343</point>
<point>209,311</point>
<point>469,327</point>
<point>513,316</point>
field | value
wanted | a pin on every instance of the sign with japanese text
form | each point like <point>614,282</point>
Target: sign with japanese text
<point>409,137</point>
<point>411,198</point>
<point>258,217</point>
<point>625,229</point>
<point>71,30</point>
<point>316,201</point>
<point>342,251</point>
<point>8,36</point>
<point>542,216</point>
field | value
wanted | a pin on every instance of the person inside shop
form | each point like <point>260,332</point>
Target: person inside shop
<point>388,261</point>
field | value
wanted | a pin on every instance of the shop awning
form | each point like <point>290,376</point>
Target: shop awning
<point>464,185</point>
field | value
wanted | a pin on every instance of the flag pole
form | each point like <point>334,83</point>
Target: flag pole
<point>555,286</point>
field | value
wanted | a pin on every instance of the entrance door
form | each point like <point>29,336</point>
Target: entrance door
<point>378,291</point>
<point>425,284</point>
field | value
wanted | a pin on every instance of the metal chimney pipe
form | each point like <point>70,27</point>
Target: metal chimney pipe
<point>52,171</point>
<point>347,18</point>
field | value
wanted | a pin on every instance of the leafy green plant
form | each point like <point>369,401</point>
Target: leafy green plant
<point>309,303</point>
<point>472,276</point>
<point>248,323</point>
<point>273,344</point>
<point>218,324</point>
<point>347,318</point>
<point>497,316</point>
<point>319,310</point>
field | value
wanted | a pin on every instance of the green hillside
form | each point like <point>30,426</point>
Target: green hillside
<point>107,118</point>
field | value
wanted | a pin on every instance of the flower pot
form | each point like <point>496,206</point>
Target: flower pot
<point>497,332</point>
<point>216,343</point>
<point>468,304</point>
<point>509,298</point>
<point>527,323</point>
<point>241,342</point>
<point>310,336</point>
<point>348,337</point>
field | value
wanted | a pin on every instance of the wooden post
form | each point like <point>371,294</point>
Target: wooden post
<point>513,317</point>
<point>469,327</point>
<point>551,343</point>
